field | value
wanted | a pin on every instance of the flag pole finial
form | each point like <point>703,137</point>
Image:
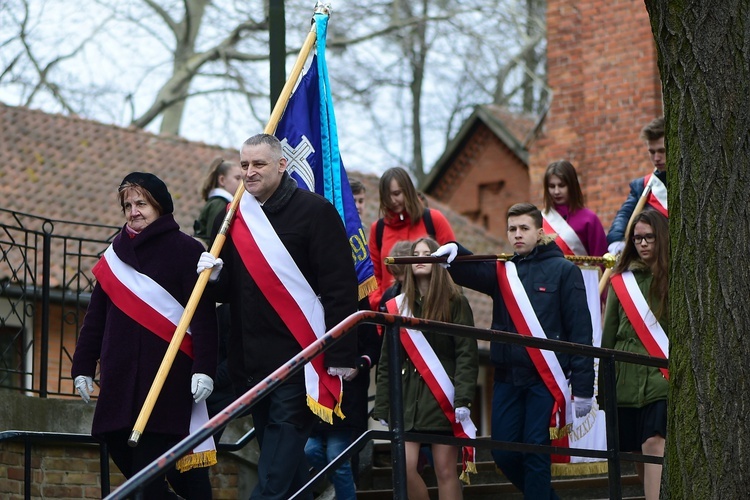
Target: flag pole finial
<point>322,8</point>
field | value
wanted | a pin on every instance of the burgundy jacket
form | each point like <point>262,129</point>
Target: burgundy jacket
<point>129,355</point>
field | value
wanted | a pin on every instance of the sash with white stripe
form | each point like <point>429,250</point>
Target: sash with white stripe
<point>567,239</point>
<point>657,198</point>
<point>548,366</point>
<point>590,431</point>
<point>433,372</point>
<point>645,324</point>
<point>147,303</point>
<point>284,286</point>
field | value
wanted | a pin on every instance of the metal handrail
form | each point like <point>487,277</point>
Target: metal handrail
<point>397,434</point>
<point>47,438</point>
<point>29,437</point>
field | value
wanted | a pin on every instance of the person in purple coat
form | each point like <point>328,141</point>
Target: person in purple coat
<point>579,230</point>
<point>144,281</point>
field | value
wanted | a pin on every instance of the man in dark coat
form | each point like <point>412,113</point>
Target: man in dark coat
<point>522,403</point>
<point>306,228</point>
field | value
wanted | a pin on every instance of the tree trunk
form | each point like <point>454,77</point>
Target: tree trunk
<point>535,10</point>
<point>704,54</point>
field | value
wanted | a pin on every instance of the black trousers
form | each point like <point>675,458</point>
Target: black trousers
<point>283,423</point>
<point>191,485</point>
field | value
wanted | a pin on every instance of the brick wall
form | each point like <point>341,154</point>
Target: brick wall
<point>606,87</point>
<point>72,471</point>
<point>484,180</point>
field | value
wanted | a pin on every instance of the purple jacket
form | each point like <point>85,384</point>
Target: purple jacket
<point>129,355</point>
<point>588,227</point>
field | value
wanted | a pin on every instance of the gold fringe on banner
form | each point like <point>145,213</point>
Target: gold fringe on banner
<point>580,469</point>
<point>367,287</point>
<point>200,459</point>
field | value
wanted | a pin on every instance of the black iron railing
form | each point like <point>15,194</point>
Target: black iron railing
<point>397,434</point>
<point>45,267</point>
<point>45,285</point>
<point>30,438</point>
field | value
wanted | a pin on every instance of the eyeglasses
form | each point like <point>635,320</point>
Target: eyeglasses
<point>638,238</point>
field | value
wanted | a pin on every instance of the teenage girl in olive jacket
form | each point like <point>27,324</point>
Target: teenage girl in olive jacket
<point>641,390</point>
<point>430,293</point>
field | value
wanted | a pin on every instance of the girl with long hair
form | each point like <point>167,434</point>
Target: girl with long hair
<point>402,217</point>
<point>218,190</point>
<point>579,230</point>
<point>428,292</point>
<point>637,320</point>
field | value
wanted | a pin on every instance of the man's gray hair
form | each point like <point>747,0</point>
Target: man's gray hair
<point>270,140</point>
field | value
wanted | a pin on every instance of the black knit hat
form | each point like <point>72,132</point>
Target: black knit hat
<point>153,185</point>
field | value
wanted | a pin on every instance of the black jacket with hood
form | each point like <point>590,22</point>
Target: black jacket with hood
<point>557,293</point>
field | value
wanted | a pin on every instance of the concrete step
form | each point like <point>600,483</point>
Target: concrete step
<point>489,483</point>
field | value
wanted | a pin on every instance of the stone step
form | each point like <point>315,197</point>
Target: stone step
<point>568,489</point>
<point>489,483</point>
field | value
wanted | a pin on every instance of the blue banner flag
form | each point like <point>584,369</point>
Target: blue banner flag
<point>307,131</point>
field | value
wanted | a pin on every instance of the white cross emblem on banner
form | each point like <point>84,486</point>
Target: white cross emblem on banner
<point>296,159</point>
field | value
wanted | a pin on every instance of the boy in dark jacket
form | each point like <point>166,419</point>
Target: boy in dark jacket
<point>540,293</point>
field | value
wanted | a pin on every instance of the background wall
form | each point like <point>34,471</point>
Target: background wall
<point>606,87</point>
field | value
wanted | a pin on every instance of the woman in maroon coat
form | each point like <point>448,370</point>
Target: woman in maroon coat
<point>149,268</point>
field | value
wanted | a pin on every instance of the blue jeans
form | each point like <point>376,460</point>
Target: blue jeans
<point>521,414</point>
<point>322,448</point>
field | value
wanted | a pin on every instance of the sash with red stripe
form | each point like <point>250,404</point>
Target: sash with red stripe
<point>567,239</point>
<point>284,286</point>
<point>645,324</point>
<point>548,366</point>
<point>147,303</point>
<point>588,432</point>
<point>433,372</point>
<point>657,198</point>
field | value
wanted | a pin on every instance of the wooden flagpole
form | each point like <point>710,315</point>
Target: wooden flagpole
<point>200,285</point>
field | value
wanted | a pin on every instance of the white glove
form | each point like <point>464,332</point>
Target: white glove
<point>616,248</point>
<point>582,406</point>
<point>201,386</point>
<point>342,372</point>
<point>208,261</point>
<point>462,413</point>
<point>352,375</point>
<point>449,249</point>
<point>383,423</point>
<point>84,386</point>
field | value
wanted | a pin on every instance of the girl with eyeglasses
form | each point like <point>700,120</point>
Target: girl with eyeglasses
<point>636,320</point>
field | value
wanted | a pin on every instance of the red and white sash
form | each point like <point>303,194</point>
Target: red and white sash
<point>282,283</point>
<point>645,324</point>
<point>657,198</point>
<point>526,322</point>
<point>433,372</point>
<point>567,239</point>
<point>590,431</point>
<point>147,303</point>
